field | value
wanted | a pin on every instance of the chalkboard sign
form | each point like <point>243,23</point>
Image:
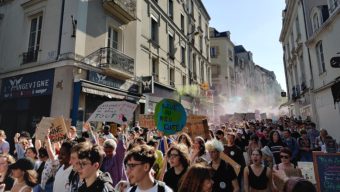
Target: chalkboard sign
<point>327,171</point>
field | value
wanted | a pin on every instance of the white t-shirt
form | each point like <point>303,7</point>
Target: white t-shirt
<point>61,179</point>
<point>153,189</point>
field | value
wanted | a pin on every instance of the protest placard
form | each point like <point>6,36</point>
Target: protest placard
<point>58,131</point>
<point>236,166</point>
<point>42,128</point>
<point>113,111</point>
<point>170,116</point>
<point>147,121</point>
<point>307,170</point>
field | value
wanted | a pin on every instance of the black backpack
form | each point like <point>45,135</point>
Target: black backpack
<point>160,188</point>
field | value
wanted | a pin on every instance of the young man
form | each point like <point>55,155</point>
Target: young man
<point>89,164</point>
<point>73,179</point>
<point>138,162</point>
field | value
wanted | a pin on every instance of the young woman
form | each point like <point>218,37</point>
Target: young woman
<point>275,144</point>
<point>253,144</point>
<point>178,158</point>
<point>5,178</point>
<point>198,153</point>
<point>197,179</point>
<point>257,177</point>
<point>24,174</point>
<point>185,139</point>
<point>31,153</point>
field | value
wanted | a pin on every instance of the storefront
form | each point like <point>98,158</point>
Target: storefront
<point>24,99</point>
<point>97,88</point>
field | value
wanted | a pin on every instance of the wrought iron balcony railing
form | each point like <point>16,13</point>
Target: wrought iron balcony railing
<point>30,56</point>
<point>111,58</point>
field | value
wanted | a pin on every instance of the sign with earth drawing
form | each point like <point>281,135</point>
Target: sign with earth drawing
<point>170,116</point>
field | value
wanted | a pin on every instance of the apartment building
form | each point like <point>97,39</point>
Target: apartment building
<point>310,40</point>
<point>173,47</point>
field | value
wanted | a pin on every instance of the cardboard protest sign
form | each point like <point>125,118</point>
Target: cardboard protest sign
<point>42,128</point>
<point>113,111</point>
<point>307,170</point>
<point>236,166</point>
<point>147,121</point>
<point>58,131</point>
<point>170,116</point>
<point>198,127</point>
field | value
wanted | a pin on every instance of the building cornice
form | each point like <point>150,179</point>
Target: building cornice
<point>287,19</point>
<point>312,39</point>
<point>204,10</point>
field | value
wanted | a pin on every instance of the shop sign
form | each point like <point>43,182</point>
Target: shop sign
<point>125,85</point>
<point>28,85</point>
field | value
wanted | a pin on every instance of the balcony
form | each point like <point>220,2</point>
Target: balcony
<point>30,56</point>
<point>112,61</point>
<point>125,10</point>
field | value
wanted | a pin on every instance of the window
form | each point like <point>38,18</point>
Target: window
<point>183,55</point>
<point>302,69</point>
<point>171,8</point>
<point>34,40</point>
<point>194,66</point>
<point>155,68</point>
<point>172,77</point>
<point>184,80</point>
<point>230,54</point>
<point>292,40</point>
<point>320,57</point>
<point>201,43</point>
<point>316,22</point>
<point>192,8</point>
<point>200,20</point>
<point>154,30</point>
<point>171,46</point>
<point>202,72</point>
<point>112,39</point>
<point>182,22</point>
<point>213,52</point>
<point>297,26</point>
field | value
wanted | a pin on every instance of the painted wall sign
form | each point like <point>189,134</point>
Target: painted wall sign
<point>27,85</point>
<point>170,116</point>
<point>127,85</point>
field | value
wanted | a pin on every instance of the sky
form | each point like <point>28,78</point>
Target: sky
<point>255,24</point>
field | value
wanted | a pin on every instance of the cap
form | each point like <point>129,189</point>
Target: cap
<point>23,164</point>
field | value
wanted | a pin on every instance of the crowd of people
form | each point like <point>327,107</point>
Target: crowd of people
<point>138,159</point>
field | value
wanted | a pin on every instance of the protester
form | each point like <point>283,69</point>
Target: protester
<point>113,160</point>
<point>224,176</point>
<point>21,144</point>
<point>197,179</point>
<point>43,157</point>
<point>24,174</point>
<point>253,144</point>
<point>275,144</point>
<point>257,177</point>
<point>4,145</point>
<point>139,161</point>
<point>185,139</point>
<point>90,161</point>
<point>61,183</point>
<point>292,145</point>
<point>305,151</point>
<point>267,157</point>
<point>32,153</point>
<point>198,152</point>
<point>292,184</point>
<point>159,158</point>
<point>5,179</point>
<point>178,158</point>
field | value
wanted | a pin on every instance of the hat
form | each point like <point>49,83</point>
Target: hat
<point>23,164</point>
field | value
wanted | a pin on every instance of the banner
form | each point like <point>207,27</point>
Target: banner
<point>113,111</point>
<point>198,128</point>
<point>147,121</point>
<point>170,116</point>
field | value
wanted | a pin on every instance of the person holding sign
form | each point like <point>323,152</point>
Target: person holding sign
<point>224,178</point>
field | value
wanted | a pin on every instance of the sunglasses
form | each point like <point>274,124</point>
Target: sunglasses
<point>284,156</point>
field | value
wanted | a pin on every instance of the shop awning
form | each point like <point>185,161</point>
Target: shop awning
<point>96,89</point>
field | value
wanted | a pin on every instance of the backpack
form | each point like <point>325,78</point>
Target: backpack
<point>160,188</point>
